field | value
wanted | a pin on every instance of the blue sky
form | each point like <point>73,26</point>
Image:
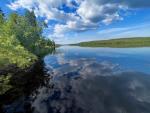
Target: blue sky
<point>73,21</point>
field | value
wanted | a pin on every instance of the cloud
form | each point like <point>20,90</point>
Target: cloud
<point>97,12</point>
<point>73,26</point>
<point>44,8</point>
<point>81,15</point>
<point>75,82</point>
<point>123,32</point>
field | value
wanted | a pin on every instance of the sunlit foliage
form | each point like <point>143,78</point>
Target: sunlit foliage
<point>21,39</point>
<point>12,52</point>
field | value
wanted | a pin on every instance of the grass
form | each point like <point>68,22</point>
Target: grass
<point>116,43</point>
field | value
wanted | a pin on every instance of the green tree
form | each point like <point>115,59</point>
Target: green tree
<point>31,18</point>
<point>21,43</point>
<point>27,30</point>
<point>2,17</point>
<point>2,20</point>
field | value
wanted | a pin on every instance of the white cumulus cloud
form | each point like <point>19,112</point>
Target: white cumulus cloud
<point>86,14</point>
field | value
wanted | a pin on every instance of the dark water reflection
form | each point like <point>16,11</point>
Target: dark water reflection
<point>85,80</point>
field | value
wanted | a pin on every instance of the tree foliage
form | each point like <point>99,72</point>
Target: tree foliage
<point>21,43</point>
<point>21,39</point>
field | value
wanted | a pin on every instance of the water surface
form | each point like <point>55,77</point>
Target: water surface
<point>91,80</point>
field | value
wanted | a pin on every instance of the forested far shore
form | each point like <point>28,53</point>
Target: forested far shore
<point>118,43</point>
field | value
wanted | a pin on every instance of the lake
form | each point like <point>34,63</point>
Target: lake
<point>88,80</point>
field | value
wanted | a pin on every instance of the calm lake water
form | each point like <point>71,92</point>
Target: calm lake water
<point>90,80</point>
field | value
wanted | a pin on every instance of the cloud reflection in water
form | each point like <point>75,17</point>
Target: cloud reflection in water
<point>87,86</point>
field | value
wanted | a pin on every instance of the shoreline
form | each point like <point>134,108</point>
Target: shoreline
<point>22,81</point>
<point>118,43</point>
<point>11,71</point>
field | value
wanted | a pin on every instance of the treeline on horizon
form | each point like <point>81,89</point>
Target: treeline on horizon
<point>21,39</point>
<point>118,43</point>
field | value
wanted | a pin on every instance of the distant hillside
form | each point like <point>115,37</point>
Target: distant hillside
<point>122,42</point>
